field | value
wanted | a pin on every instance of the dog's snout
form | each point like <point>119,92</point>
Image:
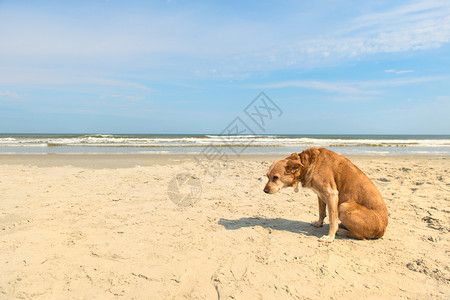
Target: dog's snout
<point>266,190</point>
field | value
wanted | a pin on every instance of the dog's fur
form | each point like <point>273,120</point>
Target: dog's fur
<point>342,188</point>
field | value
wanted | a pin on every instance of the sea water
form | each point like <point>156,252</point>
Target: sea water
<point>226,144</point>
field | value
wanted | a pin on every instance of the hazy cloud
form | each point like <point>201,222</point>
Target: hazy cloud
<point>9,94</point>
<point>419,26</point>
<point>339,87</point>
<point>356,89</point>
<point>398,72</point>
<point>45,76</point>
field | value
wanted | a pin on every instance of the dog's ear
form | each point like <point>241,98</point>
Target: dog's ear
<point>308,156</point>
<point>293,166</point>
<point>293,156</point>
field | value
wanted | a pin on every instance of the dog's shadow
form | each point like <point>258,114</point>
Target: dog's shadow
<point>297,227</point>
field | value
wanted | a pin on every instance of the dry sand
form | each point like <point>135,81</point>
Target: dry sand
<point>103,226</point>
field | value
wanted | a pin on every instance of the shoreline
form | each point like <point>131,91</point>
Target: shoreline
<point>121,160</point>
<point>273,144</point>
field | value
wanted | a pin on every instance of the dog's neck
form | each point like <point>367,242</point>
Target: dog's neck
<point>298,178</point>
<point>303,177</point>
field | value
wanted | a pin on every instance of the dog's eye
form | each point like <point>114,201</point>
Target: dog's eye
<point>275,177</point>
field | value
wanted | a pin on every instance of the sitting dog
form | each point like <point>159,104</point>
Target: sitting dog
<point>343,189</point>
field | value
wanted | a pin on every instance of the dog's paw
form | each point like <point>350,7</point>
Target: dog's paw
<point>326,239</point>
<point>317,224</point>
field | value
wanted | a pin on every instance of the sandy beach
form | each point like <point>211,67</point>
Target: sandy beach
<point>118,226</point>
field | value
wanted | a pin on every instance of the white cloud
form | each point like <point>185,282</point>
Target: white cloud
<point>198,40</point>
<point>443,98</point>
<point>339,87</point>
<point>9,94</point>
<point>358,90</point>
<point>414,11</point>
<point>119,96</point>
<point>44,76</point>
<point>153,35</point>
<point>418,26</point>
<point>383,83</point>
<point>398,72</point>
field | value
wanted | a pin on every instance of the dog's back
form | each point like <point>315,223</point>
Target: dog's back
<point>352,183</point>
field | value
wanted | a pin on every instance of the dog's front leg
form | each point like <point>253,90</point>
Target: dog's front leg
<point>322,213</point>
<point>332,202</point>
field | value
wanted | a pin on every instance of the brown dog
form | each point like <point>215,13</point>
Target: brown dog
<point>341,187</point>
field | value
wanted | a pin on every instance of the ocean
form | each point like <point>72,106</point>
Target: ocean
<point>229,145</point>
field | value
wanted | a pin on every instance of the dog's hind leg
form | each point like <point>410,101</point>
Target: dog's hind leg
<point>361,223</point>
<point>346,233</point>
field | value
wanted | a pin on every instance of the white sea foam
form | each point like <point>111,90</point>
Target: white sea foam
<point>216,140</point>
<point>194,143</point>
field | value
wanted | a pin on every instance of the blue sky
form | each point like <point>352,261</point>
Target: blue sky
<point>333,67</point>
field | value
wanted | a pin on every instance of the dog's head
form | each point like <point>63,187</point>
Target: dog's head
<point>283,173</point>
<point>287,172</point>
